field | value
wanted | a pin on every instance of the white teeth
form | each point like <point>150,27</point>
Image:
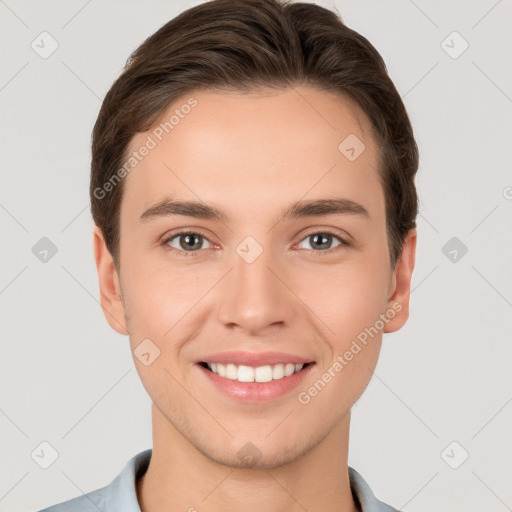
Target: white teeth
<point>231,371</point>
<point>278,371</point>
<point>263,374</point>
<point>244,373</point>
<point>289,369</point>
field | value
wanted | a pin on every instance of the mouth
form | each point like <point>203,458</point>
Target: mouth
<point>260,374</point>
<point>254,381</point>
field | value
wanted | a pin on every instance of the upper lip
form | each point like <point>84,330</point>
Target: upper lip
<point>254,358</point>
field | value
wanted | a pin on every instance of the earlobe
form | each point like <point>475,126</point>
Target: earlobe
<point>110,286</point>
<point>400,286</point>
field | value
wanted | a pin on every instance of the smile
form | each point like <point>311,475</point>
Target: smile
<point>243,373</point>
<point>255,384</point>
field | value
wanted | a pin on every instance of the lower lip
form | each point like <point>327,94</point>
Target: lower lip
<point>256,392</point>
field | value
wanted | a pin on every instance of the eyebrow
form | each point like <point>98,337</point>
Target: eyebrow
<point>305,208</point>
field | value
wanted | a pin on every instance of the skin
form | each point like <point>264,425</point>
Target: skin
<point>252,155</point>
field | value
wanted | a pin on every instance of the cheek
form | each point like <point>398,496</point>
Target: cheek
<point>166,303</point>
<point>347,298</point>
<point>162,320</point>
<point>349,303</point>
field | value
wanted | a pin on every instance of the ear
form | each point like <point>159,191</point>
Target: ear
<point>400,286</point>
<point>110,286</point>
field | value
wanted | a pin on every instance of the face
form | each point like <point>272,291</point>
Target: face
<point>282,262</point>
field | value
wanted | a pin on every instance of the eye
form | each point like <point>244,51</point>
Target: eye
<point>322,240</point>
<point>186,242</point>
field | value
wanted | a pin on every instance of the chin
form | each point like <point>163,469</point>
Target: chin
<point>258,454</point>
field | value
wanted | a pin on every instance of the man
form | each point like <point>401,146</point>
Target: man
<point>253,192</point>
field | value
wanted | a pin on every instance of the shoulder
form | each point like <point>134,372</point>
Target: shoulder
<point>364,496</point>
<point>90,502</point>
<point>120,494</point>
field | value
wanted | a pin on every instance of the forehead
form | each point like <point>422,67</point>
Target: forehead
<point>255,149</point>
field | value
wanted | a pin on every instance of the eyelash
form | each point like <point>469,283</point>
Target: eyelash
<point>344,241</point>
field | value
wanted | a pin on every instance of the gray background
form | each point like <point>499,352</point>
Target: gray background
<point>69,380</point>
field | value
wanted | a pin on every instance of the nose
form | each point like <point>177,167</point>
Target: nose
<point>255,295</point>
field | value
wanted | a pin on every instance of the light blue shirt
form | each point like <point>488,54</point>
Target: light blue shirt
<point>121,495</point>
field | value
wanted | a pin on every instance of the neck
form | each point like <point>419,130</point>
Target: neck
<point>180,477</point>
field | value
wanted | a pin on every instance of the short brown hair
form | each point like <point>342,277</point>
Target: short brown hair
<point>245,46</point>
